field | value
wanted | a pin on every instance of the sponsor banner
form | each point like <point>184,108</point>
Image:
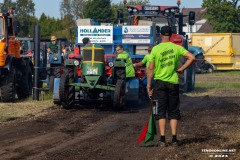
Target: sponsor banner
<point>136,34</point>
<point>96,34</point>
<point>136,30</point>
<point>138,41</point>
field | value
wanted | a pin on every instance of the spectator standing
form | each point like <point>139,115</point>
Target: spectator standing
<point>164,64</point>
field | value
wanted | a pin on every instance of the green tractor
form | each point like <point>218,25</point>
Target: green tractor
<point>85,80</point>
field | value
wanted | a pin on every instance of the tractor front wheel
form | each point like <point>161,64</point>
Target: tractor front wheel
<point>24,83</point>
<point>66,91</point>
<point>118,100</point>
<point>8,86</point>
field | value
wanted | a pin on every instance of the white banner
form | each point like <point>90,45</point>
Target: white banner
<point>136,34</point>
<point>137,41</point>
<point>96,34</point>
<point>136,30</point>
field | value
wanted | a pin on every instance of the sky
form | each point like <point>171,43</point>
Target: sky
<point>51,7</point>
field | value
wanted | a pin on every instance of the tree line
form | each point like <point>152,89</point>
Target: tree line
<point>223,15</point>
<point>24,11</point>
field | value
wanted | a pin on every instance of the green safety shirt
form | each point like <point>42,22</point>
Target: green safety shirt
<point>53,47</point>
<point>130,72</point>
<point>146,60</point>
<point>165,57</point>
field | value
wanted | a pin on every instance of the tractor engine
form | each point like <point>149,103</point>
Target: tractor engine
<point>93,69</point>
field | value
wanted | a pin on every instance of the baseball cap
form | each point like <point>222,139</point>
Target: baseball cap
<point>85,40</point>
<point>166,31</point>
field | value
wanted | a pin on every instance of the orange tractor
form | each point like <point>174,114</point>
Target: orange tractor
<point>15,69</point>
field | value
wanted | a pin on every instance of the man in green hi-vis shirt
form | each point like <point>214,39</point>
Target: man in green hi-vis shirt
<point>145,60</point>
<point>164,66</point>
<point>130,72</point>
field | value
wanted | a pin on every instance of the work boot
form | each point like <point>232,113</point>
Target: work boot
<point>161,144</point>
<point>175,143</point>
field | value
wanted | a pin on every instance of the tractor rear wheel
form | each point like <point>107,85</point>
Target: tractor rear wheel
<point>67,92</point>
<point>24,87</point>
<point>119,73</point>
<point>8,86</point>
<point>200,61</point>
<point>182,78</point>
<point>57,72</point>
<point>51,83</point>
<point>191,77</point>
<point>187,80</point>
<point>118,98</point>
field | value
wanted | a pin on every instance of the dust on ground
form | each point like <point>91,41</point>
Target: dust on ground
<point>209,129</point>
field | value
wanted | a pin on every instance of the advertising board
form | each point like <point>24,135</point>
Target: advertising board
<point>136,34</point>
<point>96,34</point>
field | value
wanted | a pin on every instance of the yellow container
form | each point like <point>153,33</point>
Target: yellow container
<point>221,49</point>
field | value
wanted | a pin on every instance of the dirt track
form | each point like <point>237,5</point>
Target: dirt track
<point>210,122</point>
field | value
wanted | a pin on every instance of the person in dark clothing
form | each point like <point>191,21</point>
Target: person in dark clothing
<point>86,41</point>
<point>164,65</point>
<point>52,46</point>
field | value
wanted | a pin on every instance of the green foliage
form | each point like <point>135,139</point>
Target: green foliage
<point>49,25</point>
<point>78,7</point>
<point>73,7</point>
<point>7,5</point>
<point>70,11</point>
<point>223,15</point>
<point>65,7</point>
<point>216,81</point>
<point>31,25</point>
<point>100,11</point>
<point>224,73</point>
<point>43,27</point>
<point>25,15</point>
<point>2,118</point>
<point>218,85</point>
<point>67,24</point>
